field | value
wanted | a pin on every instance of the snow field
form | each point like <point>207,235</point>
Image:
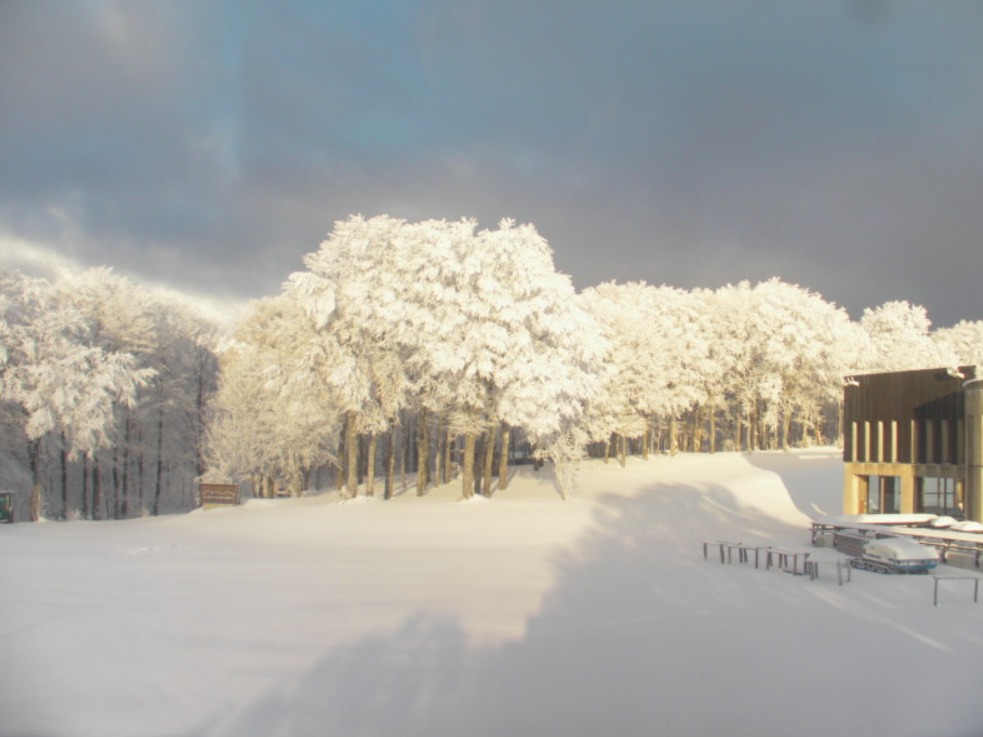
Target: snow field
<point>516,615</point>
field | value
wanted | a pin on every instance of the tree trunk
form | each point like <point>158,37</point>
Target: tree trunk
<point>449,443</point>
<point>486,471</point>
<point>370,465</point>
<point>116,483</point>
<point>201,356</point>
<point>409,444</point>
<point>673,440</point>
<point>698,426</point>
<point>738,429</point>
<point>37,491</point>
<point>713,429</point>
<point>159,483</point>
<point>125,482</point>
<point>503,459</point>
<point>467,472</point>
<point>390,464</point>
<point>423,453</point>
<point>64,477</point>
<point>351,448</point>
<point>760,439</point>
<point>754,427</point>
<point>86,498</point>
<point>97,489</point>
<point>786,429</point>
<point>140,468</point>
<point>440,454</point>
<point>402,462</point>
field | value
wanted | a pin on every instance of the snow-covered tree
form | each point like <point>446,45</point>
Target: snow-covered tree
<point>963,342</point>
<point>478,328</point>
<point>352,294</point>
<point>737,347</point>
<point>160,436</point>
<point>807,351</point>
<point>900,338</point>
<point>276,413</point>
<point>779,353</point>
<point>63,382</point>
<point>657,352</point>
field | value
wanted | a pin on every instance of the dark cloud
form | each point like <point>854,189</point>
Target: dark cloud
<point>212,144</point>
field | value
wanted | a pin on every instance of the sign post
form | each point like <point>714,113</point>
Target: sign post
<point>218,495</point>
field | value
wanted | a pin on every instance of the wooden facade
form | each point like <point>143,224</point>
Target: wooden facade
<point>912,442</point>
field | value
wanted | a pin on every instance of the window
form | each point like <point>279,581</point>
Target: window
<point>883,495</point>
<point>940,496</point>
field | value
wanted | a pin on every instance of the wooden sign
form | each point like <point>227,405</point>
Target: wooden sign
<point>210,495</point>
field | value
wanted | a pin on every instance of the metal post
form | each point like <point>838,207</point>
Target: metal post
<point>935,602</point>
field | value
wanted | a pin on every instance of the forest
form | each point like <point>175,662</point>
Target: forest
<point>424,350</point>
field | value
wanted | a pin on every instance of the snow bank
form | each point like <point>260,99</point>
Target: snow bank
<point>521,614</point>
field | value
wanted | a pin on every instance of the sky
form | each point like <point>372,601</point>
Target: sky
<point>209,145</point>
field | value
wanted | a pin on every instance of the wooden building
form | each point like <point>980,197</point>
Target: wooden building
<point>913,442</point>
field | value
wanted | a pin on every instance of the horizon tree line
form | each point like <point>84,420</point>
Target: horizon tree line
<point>429,348</point>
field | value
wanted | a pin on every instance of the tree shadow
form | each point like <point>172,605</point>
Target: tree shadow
<point>640,635</point>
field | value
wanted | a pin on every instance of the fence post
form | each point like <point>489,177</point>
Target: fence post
<point>839,572</point>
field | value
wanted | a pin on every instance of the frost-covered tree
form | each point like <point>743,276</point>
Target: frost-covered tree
<point>506,340</point>
<point>778,354</point>
<point>657,353</point>
<point>900,338</point>
<point>160,436</point>
<point>712,373</point>
<point>963,342</point>
<point>632,359</point>
<point>109,381</point>
<point>64,383</point>
<point>477,328</point>
<point>276,412</point>
<point>806,352</point>
<point>353,296</point>
<point>738,348</point>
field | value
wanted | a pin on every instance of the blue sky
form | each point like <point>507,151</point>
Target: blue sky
<point>209,145</point>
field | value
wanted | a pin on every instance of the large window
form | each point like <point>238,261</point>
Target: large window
<point>883,495</point>
<point>940,496</point>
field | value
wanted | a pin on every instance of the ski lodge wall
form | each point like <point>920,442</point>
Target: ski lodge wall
<point>913,443</point>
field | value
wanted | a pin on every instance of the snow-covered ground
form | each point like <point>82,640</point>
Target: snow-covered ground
<point>519,615</point>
